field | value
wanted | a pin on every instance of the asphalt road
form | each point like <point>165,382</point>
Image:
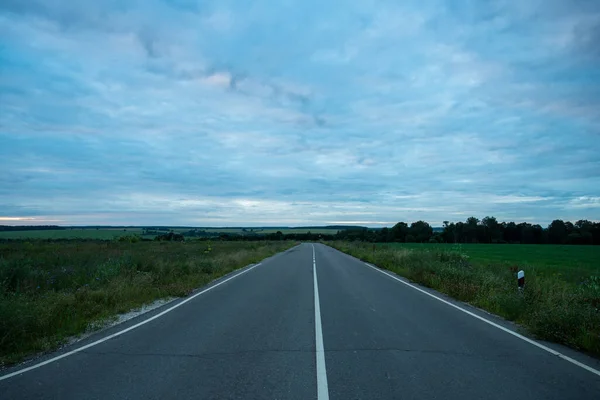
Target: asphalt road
<point>260,335</point>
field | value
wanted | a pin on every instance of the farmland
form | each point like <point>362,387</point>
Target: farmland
<point>71,233</point>
<point>108,233</point>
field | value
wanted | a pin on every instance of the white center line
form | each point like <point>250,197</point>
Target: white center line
<point>322,389</point>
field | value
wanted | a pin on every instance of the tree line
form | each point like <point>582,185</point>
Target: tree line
<point>486,230</point>
<point>473,230</point>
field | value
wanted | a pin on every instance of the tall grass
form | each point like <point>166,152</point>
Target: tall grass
<point>551,308</point>
<point>52,291</point>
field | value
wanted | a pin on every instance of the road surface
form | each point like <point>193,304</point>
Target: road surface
<point>264,334</point>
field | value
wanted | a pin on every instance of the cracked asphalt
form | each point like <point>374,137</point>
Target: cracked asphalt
<point>253,337</point>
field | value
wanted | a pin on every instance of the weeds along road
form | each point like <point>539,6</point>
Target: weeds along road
<point>265,333</point>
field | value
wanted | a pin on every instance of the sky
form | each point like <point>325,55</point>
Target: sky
<point>298,112</point>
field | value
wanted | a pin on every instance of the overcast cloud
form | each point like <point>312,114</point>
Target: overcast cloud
<point>300,112</point>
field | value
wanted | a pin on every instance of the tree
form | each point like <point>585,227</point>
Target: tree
<point>436,238</point>
<point>538,234</point>
<point>460,232</point>
<point>595,231</point>
<point>584,225</point>
<point>492,229</point>
<point>472,221</point>
<point>384,235</point>
<point>583,232</point>
<point>488,230</point>
<point>511,233</point>
<point>557,232</point>
<point>421,231</point>
<point>399,232</point>
<point>449,232</point>
<point>526,233</point>
<point>570,227</point>
<point>471,228</point>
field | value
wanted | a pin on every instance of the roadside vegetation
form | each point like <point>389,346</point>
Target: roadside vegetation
<point>558,304</point>
<point>51,291</point>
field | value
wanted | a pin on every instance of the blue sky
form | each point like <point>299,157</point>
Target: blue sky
<point>216,113</point>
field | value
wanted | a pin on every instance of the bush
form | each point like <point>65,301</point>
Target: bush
<point>171,237</point>
<point>130,238</point>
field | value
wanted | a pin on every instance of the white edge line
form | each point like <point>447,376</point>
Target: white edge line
<point>322,387</point>
<point>87,346</point>
<point>533,342</point>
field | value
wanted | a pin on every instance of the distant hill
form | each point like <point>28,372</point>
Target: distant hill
<point>30,228</point>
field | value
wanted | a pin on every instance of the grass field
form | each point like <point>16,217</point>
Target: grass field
<point>561,299</point>
<point>573,263</point>
<point>50,291</point>
<point>75,233</point>
<point>114,233</point>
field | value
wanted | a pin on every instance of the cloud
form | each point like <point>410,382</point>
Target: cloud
<point>209,113</point>
<point>585,202</point>
<point>222,79</point>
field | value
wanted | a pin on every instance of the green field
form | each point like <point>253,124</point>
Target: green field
<point>75,233</point>
<point>571,262</point>
<point>113,233</point>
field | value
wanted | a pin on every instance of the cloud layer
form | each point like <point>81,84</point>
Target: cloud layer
<point>226,113</point>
